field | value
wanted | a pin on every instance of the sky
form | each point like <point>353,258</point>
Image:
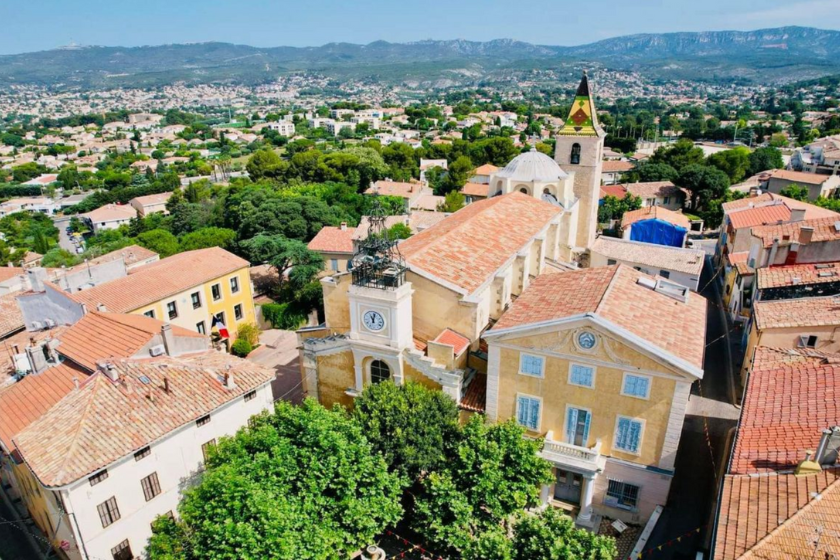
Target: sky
<point>33,25</point>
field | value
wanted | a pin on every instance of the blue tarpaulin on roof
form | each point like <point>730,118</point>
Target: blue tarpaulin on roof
<point>659,232</point>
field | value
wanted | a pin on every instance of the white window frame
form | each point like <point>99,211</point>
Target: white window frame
<point>238,286</point>
<point>522,356</point>
<point>639,375</point>
<point>539,416</point>
<point>638,451</point>
<point>608,500</point>
<point>566,421</point>
<point>593,368</point>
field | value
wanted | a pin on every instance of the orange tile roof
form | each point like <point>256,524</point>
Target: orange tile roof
<point>155,281</point>
<point>152,198</point>
<point>11,317</point>
<point>790,398</point>
<point>798,274</point>
<point>812,211</point>
<point>618,191</point>
<point>9,272</point>
<point>800,312</point>
<point>394,188</point>
<point>486,169</point>
<point>616,166</point>
<point>760,216</point>
<point>800,177</point>
<point>27,400</point>
<point>103,421</point>
<point>101,336</point>
<point>130,255</point>
<point>468,247</point>
<point>111,212</point>
<point>824,230</point>
<point>475,397</point>
<point>753,507</point>
<point>458,341</point>
<point>333,240</point>
<point>739,261</point>
<point>612,292</point>
<point>655,213</point>
<point>475,189</point>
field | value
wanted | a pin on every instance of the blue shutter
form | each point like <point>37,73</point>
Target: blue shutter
<point>622,433</point>
<point>522,413</point>
<point>635,435</point>
<point>535,414</point>
<point>571,422</point>
<point>586,428</point>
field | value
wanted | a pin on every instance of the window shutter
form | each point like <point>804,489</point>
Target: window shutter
<point>535,414</point>
<point>522,413</point>
<point>586,428</point>
<point>621,435</point>
<point>571,422</point>
<point>635,434</point>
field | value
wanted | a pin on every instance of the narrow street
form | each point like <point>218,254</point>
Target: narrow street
<point>14,544</point>
<point>703,449</point>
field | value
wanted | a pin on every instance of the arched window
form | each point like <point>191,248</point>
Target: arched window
<point>379,371</point>
<point>549,197</point>
<point>575,157</point>
<point>523,190</point>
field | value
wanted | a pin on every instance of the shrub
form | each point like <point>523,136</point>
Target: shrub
<point>281,316</point>
<point>241,347</point>
<point>249,332</point>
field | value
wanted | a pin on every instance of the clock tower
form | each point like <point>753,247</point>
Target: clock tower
<point>380,305</point>
<point>579,150</point>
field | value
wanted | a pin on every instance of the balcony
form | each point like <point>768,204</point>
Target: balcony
<point>587,459</point>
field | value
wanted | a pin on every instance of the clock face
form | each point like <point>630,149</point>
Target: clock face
<point>586,340</point>
<point>373,321</point>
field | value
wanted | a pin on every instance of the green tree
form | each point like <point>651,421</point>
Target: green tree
<point>408,425</point>
<point>452,202</point>
<point>646,172</point>
<point>457,176</point>
<point>735,163</point>
<point>208,237</point>
<point>492,472</point>
<point>289,257</point>
<point>613,208</point>
<point>778,140</point>
<point>705,183</point>
<point>58,257</point>
<point>551,535</point>
<point>678,155</point>
<point>763,159</point>
<point>795,192</point>
<point>399,231</point>
<point>265,164</point>
<point>160,241</point>
<point>302,483</point>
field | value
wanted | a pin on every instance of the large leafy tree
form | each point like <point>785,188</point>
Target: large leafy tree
<point>160,241</point>
<point>492,472</point>
<point>302,483</point>
<point>763,159</point>
<point>678,155</point>
<point>408,424</point>
<point>735,163</point>
<point>706,183</point>
<point>289,257</point>
<point>208,237</point>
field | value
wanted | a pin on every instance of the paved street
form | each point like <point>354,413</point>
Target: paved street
<point>703,447</point>
<point>278,351</point>
<point>14,544</point>
<point>64,239</point>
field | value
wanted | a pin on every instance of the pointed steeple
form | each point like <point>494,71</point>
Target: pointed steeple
<point>582,119</point>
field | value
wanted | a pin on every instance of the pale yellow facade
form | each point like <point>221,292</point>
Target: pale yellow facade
<point>190,316</point>
<point>595,458</point>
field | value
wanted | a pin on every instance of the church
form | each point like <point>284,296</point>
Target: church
<point>426,309</point>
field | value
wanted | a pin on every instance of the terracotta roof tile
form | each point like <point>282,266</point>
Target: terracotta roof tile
<point>458,341</point>
<point>800,312</point>
<point>655,213</point>
<point>333,240</point>
<point>616,166</point>
<point>486,169</point>
<point>27,400</point>
<point>103,421</point>
<point>11,317</point>
<point>468,247</point>
<point>653,188</point>
<point>612,292</point>
<point>760,216</point>
<point>618,191</point>
<point>824,230</point>
<point>153,282</point>
<point>101,336</point>
<point>111,212</point>
<point>800,177</point>
<point>475,189</point>
<point>791,396</point>
<point>394,188</point>
<point>812,212</point>
<point>798,275</point>
<point>475,397</point>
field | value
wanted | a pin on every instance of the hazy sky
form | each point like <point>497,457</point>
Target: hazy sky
<point>30,25</point>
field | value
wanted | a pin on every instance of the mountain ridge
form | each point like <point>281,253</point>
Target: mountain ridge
<point>785,53</point>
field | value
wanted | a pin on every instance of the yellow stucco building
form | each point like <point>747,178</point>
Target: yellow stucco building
<point>599,363</point>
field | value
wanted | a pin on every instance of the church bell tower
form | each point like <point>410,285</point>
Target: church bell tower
<point>579,150</point>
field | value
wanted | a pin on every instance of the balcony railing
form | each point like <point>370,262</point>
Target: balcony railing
<point>560,452</point>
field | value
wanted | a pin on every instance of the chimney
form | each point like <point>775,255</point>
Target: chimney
<point>109,370</point>
<point>808,466</point>
<point>797,214</point>
<point>76,383</point>
<point>827,451</point>
<point>84,309</point>
<point>36,277</point>
<point>753,192</point>
<point>168,339</point>
<point>101,307</point>
<point>166,384</point>
<point>805,234</point>
<point>343,226</point>
<point>37,358</point>
<point>229,382</point>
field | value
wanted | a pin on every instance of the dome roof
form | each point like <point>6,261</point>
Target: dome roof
<point>532,166</point>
